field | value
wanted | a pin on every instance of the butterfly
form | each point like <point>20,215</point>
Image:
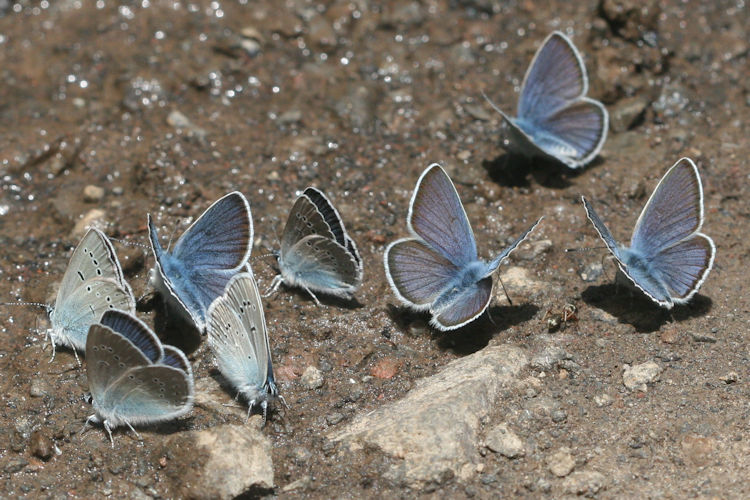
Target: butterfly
<point>238,338</point>
<point>555,118</point>
<point>437,268</point>
<point>668,258</point>
<point>93,283</point>
<point>316,252</point>
<point>133,379</point>
<point>212,250</point>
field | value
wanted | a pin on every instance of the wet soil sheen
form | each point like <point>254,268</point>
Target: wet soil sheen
<point>111,112</point>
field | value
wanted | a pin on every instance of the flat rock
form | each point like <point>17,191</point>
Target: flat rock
<point>220,462</point>
<point>520,283</point>
<point>504,441</point>
<point>433,431</point>
<point>636,377</point>
<point>585,483</point>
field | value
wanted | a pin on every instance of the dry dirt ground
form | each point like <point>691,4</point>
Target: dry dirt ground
<point>167,105</point>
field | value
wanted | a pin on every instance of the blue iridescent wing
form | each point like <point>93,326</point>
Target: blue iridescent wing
<point>417,274</point>
<point>495,263</point>
<point>437,216</point>
<point>602,230</point>
<point>684,266</point>
<point>462,307</point>
<point>221,238</point>
<point>556,76</point>
<point>674,211</point>
<point>136,332</point>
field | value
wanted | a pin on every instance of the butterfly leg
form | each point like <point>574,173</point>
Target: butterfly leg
<point>505,291</point>
<point>87,424</point>
<point>275,284</point>
<point>107,428</point>
<point>317,302</point>
<point>140,438</point>
<point>78,360</point>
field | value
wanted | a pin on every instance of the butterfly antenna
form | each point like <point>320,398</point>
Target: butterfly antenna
<point>584,249</point>
<point>505,291</point>
<point>130,243</point>
<point>33,304</point>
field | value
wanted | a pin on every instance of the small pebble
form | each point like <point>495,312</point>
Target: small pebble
<point>636,377</point>
<point>334,418</point>
<point>41,445</point>
<point>703,337</point>
<point>312,378</point>
<point>93,218</point>
<point>93,194</point>
<point>38,388</point>
<point>561,463</point>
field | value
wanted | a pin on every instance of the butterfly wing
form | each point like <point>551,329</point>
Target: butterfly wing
<point>126,387</point>
<point>417,274</point>
<point>495,263</point>
<point>674,211</point>
<point>135,331</point>
<point>237,334</point>
<point>109,356</point>
<point>221,238</point>
<point>667,232</point>
<point>603,231</point>
<point>333,219</point>
<point>94,257</point>
<point>437,216</point>
<point>321,264</point>
<point>461,305</point>
<point>78,309</point>
<point>305,219</point>
<point>556,76</point>
<point>684,266</point>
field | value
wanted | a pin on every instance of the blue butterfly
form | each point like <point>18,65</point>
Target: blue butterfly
<point>133,379</point>
<point>437,269</point>
<point>668,258</point>
<point>92,284</point>
<point>316,253</point>
<point>212,250</point>
<point>555,118</point>
<point>238,337</point>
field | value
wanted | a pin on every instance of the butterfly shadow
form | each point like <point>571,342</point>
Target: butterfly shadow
<point>512,170</point>
<point>472,337</point>
<point>324,299</point>
<point>637,310</point>
<point>171,327</point>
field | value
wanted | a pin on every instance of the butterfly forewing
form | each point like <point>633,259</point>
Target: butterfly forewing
<point>438,217</point>
<point>94,257</point>
<point>417,273</point>
<point>674,211</point>
<point>221,238</point>
<point>135,331</point>
<point>109,356</point>
<point>76,311</point>
<point>237,333</point>
<point>304,220</point>
<point>556,77</point>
